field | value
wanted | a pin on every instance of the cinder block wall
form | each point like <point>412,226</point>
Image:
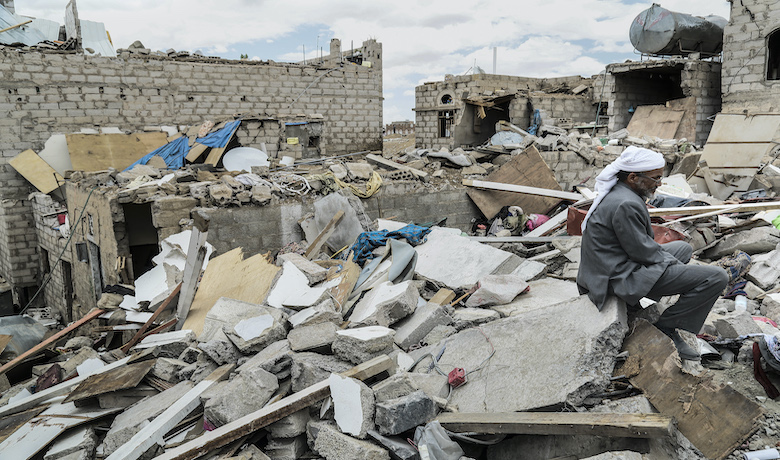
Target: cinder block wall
<point>744,82</point>
<point>702,80</point>
<point>570,169</point>
<point>44,93</point>
<point>428,101</point>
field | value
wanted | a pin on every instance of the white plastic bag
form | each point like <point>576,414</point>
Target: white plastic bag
<point>434,444</point>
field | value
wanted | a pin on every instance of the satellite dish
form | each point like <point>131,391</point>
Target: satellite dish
<point>243,158</point>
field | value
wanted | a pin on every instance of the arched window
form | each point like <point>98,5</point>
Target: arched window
<point>446,99</point>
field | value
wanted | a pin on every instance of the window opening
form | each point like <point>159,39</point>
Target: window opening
<point>445,123</point>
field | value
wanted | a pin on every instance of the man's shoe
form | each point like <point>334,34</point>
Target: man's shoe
<point>685,351</point>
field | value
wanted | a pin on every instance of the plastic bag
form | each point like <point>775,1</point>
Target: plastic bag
<point>434,444</point>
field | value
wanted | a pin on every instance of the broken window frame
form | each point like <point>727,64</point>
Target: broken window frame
<point>446,121</point>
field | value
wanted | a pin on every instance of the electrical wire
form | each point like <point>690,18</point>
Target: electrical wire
<point>48,276</point>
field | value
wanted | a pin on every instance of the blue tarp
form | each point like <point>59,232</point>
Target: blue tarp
<point>173,154</point>
<point>219,139</point>
<point>368,241</point>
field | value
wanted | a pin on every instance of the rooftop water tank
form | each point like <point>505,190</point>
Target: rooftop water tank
<point>657,30</point>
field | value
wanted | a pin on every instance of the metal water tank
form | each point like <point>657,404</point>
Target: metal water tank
<point>657,30</point>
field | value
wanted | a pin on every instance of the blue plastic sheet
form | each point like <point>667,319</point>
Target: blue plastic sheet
<point>536,121</point>
<point>368,241</point>
<point>219,139</point>
<point>173,153</point>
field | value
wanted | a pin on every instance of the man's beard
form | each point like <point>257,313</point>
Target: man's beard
<point>647,194</point>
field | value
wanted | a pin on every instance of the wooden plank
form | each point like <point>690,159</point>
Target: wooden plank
<point>196,255</point>
<point>57,390</point>
<point>655,120</point>
<point>98,152</point>
<point>216,153</point>
<point>518,239</point>
<point>716,419</point>
<point>527,169</point>
<point>687,127</point>
<point>560,423</point>
<point>261,418</point>
<point>732,127</point>
<point>330,227</point>
<point>11,423</point>
<point>118,379</point>
<point>196,151</point>
<point>37,171</point>
<point>153,432</point>
<point>442,297</point>
<point>15,26</point>
<point>349,276</point>
<point>51,340</point>
<point>693,210</point>
<point>230,275</point>
<point>393,166</point>
<point>4,341</point>
<point>522,189</point>
<point>141,332</point>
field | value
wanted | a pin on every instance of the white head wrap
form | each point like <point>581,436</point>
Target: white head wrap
<point>633,159</point>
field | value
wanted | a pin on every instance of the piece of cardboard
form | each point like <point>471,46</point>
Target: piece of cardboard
<point>716,419</point>
<point>687,127</point>
<point>36,171</point>
<point>655,120</point>
<point>527,169</point>
<point>98,152</point>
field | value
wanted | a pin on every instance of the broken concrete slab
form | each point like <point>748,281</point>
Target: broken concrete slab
<point>362,344</point>
<point>314,273</point>
<point>399,448</point>
<point>361,171</point>
<point>458,262</point>
<point>275,358</point>
<point>541,293</point>
<point>168,344</point>
<point>496,290</point>
<point>765,270</point>
<point>735,324</point>
<point>251,327</point>
<point>247,392</point>
<point>353,403</point>
<point>75,440</point>
<point>393,387</point>
<point>530,269</point>
<point>221,349</point>
<point>401,414</point>
<point>286,448</point>
<point>469,317</point>
<point>310,368</point>
<point>291,281</point>
<point>385,304</point>
<point>555,370</point>
<point>129,422</point>
<point>334,445</point>
<point>753,241</point>
<point>413,329</point>
<point>313,337</point>
<point>290,426</point>
<point>325,311</point>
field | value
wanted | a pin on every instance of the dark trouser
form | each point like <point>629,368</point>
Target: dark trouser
<point>699,287</point>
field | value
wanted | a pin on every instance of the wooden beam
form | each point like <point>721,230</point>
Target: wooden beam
<point>196,255</point>
<point>250,423</point>
<point>17,25</point>
<point>393,166</point>
<point>560,423</point>
<point>314,247</point>
<point>34,350</point>
<point>349,276</point>
<point>693,210</point>
<point>522,189</point>
<point>141,332</point>
<point>518,239</point>
<point>153,432</point>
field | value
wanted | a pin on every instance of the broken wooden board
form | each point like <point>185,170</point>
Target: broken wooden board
<point>153,432</point>
<point>34,350</point>
<point>4,341</point>
<point>349,276</point>
<point>216,153</point>
<point>141,332</point>
<point>196,151</point>
<point>118,379</point>
<point>314,247</point>
<point>37,171</point>
<point>230,275</point>
<point>276,411</point>
<point>393,166</point>
<point>44,428</point>
<point>527,169</point>
<point>716,419</point>
<point>560,423</point>
<point>655,120</point>
<point>693,210</point>
<point>98,152</point>
<point>687,127</point>
<point>10,423</point>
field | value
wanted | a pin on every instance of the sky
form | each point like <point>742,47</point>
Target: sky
<point>421,40</point>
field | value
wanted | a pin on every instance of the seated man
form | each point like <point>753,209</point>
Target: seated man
<point>620,257</point>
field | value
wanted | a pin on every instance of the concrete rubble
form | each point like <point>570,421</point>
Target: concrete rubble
<point>247,292</point>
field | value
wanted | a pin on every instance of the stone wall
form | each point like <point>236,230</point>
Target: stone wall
<point>46,93</point>
<point>744,83</point>
<point>430,100</point>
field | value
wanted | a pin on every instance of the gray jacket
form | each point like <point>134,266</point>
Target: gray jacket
<point>619,255</point>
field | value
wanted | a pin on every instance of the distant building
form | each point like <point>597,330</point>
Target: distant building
<point>403,128</point>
